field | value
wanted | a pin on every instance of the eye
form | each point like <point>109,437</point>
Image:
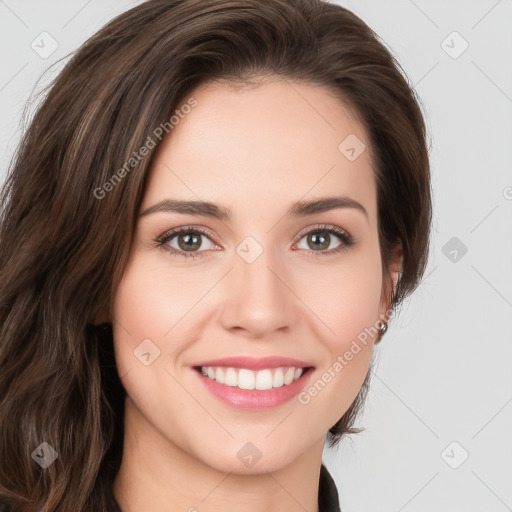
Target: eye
<point>186,241</point>
<point>181,241</point>
<point>321,239</point>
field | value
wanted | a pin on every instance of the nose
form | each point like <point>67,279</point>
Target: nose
<point>258,298</point>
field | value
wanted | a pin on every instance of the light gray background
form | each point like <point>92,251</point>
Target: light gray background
<point>444,367</point>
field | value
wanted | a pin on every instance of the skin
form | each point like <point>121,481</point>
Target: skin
<point>255,150</point>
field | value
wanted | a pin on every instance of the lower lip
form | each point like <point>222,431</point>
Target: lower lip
<point>254,399</point>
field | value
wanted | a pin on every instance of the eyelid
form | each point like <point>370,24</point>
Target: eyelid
<point>347,240</point>
<point>171,233</point>
<point>326,227</point>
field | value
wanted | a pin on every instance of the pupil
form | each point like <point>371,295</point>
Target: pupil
<point>319,241</point>
<point>190,242</point>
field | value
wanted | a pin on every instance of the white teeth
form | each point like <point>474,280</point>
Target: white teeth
<point>231,378</point>
<point>264,379</point>
<point>288,376</point>
<point>278,378</point>
<point>248,379</point>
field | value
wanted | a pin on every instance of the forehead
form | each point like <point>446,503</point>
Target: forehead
<point>258,146</point>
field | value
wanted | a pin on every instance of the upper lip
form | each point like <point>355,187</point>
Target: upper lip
<point>252,363</point>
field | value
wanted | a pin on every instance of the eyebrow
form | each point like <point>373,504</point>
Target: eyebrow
<point>298,209</point>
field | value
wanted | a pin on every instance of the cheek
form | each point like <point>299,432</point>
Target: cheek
<point>156,303</point>
<point>347,306</point>
<point>139,315</point>
<point>143,315</point>
<point>138,306</point>
<point>345,297</point>
<point>151,299</point>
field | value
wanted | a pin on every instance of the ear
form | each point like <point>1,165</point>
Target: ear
<point>391,277</point>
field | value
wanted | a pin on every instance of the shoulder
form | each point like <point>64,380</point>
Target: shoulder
<point>328,498</point>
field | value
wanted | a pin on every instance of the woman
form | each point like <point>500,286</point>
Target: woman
<point>204,233</point>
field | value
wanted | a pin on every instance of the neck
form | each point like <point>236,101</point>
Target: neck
<point>156,475</point>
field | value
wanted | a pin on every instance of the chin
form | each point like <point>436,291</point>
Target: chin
<point>247,458</point>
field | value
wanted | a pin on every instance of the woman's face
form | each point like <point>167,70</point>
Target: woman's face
<point>270,280</point>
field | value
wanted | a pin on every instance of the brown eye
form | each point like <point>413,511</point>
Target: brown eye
<point>185,240</point>
<point>319,240</point>
<point>323,239</point>
<point>188,242</point>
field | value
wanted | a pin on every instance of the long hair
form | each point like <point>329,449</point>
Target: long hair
<point>74,186</point>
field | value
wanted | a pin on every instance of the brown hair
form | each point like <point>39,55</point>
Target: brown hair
<point>63,248</point>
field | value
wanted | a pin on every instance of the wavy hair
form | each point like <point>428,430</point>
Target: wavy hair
<point>68,211</point>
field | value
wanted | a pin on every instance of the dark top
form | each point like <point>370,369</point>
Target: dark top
<point>328,500</point>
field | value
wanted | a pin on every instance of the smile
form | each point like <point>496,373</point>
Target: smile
<point>243,378</point>
<point>253,389</point>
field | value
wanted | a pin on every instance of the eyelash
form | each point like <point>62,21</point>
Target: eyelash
<point>346,239</point>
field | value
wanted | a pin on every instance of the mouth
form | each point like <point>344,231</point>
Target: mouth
<point>261,380</point>
<point>253,390</point>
